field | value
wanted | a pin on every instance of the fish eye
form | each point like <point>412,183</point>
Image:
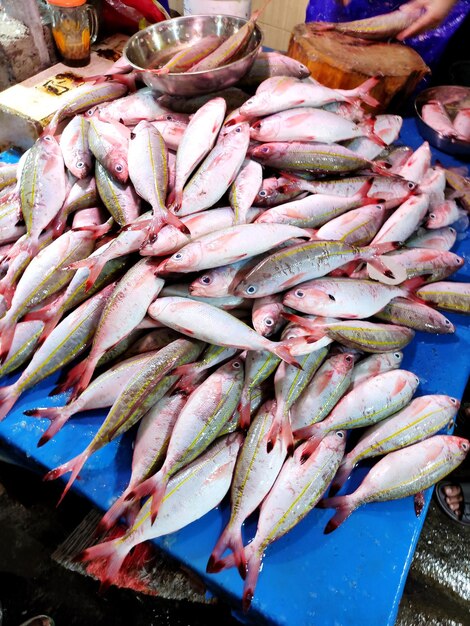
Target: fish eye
<point>80,164</point>
<point>447,323</point>
<point>265,149</point>
<point>397,355</point>
<point>416,379</point>
<point>238,129</point>
<point>340,434</point>
<point>465,446</point>
<point>458,261</point>
<point>432,216</point>
<point>119,168</point>
<point>169,118</point>
<point>206,280</point>
<point>178,256</point>
<point>453,400</point>
<point>299,293</point>
<point>251,289</point>
<point>47,138</point>
<point>236,365</point>
<point>411,185</point>
<point>349,358</point>
<point>331,297</point>
<point>452,230</point>
<point>263,193</point>
<point>269,321</point>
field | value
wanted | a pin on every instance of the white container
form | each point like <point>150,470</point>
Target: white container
<point>239,8</point>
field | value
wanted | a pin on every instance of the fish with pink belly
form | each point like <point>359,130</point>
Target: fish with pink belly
<point>402,473</point>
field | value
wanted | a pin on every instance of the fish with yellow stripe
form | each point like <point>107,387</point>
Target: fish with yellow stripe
<point>402,473</point>
<point>192,492</point>
<point>421,418</point>
<point>203,416</point>
<point>368,403</point>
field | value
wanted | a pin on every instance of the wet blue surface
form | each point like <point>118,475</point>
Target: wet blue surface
<point>355,576</point>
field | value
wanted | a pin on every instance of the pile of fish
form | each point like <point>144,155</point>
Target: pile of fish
<point>235,274</point>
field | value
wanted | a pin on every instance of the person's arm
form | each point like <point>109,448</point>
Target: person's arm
<point>435,11</point>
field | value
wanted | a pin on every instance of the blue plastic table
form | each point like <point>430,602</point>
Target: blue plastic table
<point>355,576</point>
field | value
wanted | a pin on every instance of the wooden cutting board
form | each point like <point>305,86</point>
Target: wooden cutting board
<point>340,61</point>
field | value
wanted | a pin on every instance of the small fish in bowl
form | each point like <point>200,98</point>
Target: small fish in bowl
<point>444,118</point>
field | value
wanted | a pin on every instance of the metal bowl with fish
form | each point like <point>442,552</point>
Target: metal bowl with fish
<point>437,109</point>
<point>151,48</point>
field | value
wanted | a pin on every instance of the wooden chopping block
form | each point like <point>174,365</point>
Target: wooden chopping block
<point>344,62</point>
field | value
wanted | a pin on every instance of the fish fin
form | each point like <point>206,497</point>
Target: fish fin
<point>66,381</point>
<point>83,373</point>
<point>226,563</point>
<point>282,350</point>
<point>344,507</point>
<point>369,128</point>
<point>8,396</point>
<point>7,334</point>
<point>293,317</point>
<point>95,270</point>
<point>313,435</point>
<point>113,514</point>
<point>114,551</point>
<point>141,491</point>
<point>386,270</point>
<point>230,538</point>
<point>413,284</point>
<point>157,498</point>
<point>74,466</point>
<point>184,370</point>
<point>170,218</point>
<point>341,476</point>
<point>363,91</point>
<point>280,429</point>
<point>382,168</point>
<point>244,409</point>
<point>419,503</point>
<point>58,415</point>
<point>305,432</point>
<point>252,573</point>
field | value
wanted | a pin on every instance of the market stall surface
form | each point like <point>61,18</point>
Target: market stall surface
<point>307,577</point>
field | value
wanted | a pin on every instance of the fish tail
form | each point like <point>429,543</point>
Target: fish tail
<point>411,285</point>
<point>114,551</point>
<point>226,563</point>
<point>141,491</point>
<point>252,574</point>
<point>341,476</point>
<point>369,128</point>
<point>230,538</point>
<point>113,514</point>
<point>363,92</point>
<point>8,396</point>
<point>68,381</point>
<point>344,506</point>
<point>184,370</point>
<point>157,498</point>
<point>74,466</point>
<point>6,338</point>
<point>244,409</point>
<point>283,351</point>
<point>170,218</point>
<point>311,432</point>
<point>83,373</point>
<point>58,415</point>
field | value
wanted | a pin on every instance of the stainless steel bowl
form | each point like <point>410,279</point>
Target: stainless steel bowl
<point>147,49</point>
<point>449,95</point>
